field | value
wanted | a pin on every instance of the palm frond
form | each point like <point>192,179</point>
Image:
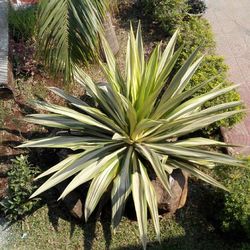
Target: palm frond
<point>68,33</point>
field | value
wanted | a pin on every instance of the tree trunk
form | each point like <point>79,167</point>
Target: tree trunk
<point>110,35</point>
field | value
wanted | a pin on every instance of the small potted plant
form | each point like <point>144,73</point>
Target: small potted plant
<point>196,7</point>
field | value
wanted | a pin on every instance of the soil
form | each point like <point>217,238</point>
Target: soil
<point>3,181</point>
<point>3,187</point>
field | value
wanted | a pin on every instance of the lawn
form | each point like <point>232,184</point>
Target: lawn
<point>50,227</point>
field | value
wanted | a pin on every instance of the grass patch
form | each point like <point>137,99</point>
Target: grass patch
<point>50,227</point>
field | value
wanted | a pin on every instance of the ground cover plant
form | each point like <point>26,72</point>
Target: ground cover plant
<point>235,215</point>
<point>121,143</point>
<point>20,186</point>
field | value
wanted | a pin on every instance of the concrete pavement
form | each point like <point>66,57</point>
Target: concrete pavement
<point>4,41</point>
<point>230,22</point>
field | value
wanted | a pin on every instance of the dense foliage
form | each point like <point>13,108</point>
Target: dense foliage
<point>215,66</point>
<point>196,6</point>
<point>195,32</point>
<point>235,217</point>
<point>168,13</point>
<point>21,186</point>
<point>126,137</point>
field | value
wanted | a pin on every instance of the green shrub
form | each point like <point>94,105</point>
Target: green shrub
<point>21,186</point>
<point>235,217</point>
<point>195,32</point>
<point>22,23</point>
<point>196,6</point>
<point>169,13</point>
<point>215,66</point>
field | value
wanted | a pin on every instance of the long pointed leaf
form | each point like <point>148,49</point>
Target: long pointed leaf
<point>121,189</point>
<point>140,202</point>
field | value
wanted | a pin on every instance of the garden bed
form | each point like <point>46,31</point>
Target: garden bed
<point>188,229</point>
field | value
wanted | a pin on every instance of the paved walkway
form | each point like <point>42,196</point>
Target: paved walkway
<point>3,41</point>
<point>230,21</point>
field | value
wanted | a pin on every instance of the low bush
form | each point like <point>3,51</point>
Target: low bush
<point>196,6</point>
<point>215,66</point>
<point>235,217</point>
<point>195,32</point>
<point>21,186</point>
<point>169,13</point>
<point>22,23</point>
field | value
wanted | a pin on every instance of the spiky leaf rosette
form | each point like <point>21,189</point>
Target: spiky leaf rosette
<point>127,134</point>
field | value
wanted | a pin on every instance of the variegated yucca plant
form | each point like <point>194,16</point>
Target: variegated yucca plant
<point>126,136</point>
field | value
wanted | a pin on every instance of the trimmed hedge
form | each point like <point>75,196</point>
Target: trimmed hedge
<point>195,32</point>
